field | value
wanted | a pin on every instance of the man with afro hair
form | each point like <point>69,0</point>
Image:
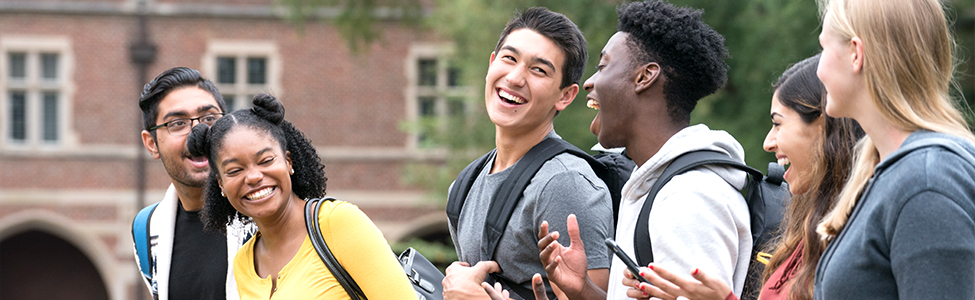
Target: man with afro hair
<point>650,75</point>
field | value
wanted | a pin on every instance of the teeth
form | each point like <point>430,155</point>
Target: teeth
<point>784,161</point>
<point>511,97</point>
<point>260,194</point>
<point>592,103</point>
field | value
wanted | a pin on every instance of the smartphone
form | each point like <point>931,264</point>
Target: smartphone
<point>611,244</point>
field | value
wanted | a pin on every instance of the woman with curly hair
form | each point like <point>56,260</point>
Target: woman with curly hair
<point>262,167</point>
<point>818,150</point>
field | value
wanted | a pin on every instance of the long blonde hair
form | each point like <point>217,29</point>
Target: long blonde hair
<point>908,68</point>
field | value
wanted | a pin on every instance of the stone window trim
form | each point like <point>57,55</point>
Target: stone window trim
<point>241,50</point>
<point>35,87</point>
<point>439,91</point>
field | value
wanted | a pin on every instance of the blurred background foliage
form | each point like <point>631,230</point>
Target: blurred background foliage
<point>764,37</point>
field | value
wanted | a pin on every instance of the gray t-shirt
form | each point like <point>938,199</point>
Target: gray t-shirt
<point>564,185</point>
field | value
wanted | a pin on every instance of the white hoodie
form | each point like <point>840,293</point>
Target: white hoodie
<point>698,220</point>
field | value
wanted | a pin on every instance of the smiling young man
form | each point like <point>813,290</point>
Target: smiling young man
<point>533,74</point>
<point>650,76</point>
<point>180,260</point>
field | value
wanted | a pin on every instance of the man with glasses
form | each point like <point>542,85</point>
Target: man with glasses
<point>177,258</point>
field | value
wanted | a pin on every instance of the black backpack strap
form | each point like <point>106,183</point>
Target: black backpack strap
<point>509,194</point>
<point>312,209</point>
<point>615,170</point>
<point>683,163</point>
<point>463,184</point>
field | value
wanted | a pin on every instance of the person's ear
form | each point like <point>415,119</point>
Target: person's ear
<point>568,94</point>
<point>490,60</point>
<point>150,143</point>
<point>856,47</point>
<point>646,76</point>
<point>287,160</point>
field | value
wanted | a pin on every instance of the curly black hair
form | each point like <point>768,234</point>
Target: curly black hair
<point>267,116</point>
<point>168,81</point>
<point>690,53</point>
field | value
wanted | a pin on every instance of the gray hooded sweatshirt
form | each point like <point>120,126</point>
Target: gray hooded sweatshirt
<point>912,232</point>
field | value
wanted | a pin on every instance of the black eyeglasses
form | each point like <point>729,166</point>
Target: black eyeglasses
<point>182,126</point>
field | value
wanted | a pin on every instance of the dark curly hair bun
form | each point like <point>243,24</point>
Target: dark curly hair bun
<point>197,143</point>
<point>269,108</point>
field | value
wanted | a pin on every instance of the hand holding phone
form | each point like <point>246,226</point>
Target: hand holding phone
<point>630,264</point>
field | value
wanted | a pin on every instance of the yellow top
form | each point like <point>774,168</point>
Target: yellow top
<point>355,242</point>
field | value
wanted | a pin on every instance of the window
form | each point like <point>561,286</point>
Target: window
<point>242,69</point>
<point>34,82</point>
<point>435,93</point>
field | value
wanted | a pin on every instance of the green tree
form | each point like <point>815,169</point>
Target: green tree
<point>764,37</point>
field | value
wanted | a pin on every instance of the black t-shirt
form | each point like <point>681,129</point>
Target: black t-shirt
<point>199,264</point>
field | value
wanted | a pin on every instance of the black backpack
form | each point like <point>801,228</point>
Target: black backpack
<point>766,197</point>
<point>613,168</point>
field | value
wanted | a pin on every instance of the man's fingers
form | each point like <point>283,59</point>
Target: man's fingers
<point>487,266</point>
<point>549,252</point>
<point>552,266</point>
<point>492,292</point>
<point>542,230</point>
<point>572,226</point>
<point>538,287</point>
<point>504,292</point>
<point>457,264</point>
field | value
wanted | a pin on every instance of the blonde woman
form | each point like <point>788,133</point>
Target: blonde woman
<point>904,225</point>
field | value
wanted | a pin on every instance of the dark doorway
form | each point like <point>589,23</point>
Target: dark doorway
<point>38,265</point>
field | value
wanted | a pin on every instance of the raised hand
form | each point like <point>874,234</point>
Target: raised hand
<point>566,266</point>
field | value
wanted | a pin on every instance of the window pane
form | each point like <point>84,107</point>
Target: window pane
<point>256,70</point>
<point>18,112</point>
<point>49,66</point>
<point>50,116</point>
<point>428,72</point>
<point>453,77</point>
<point>427,106</point>
<point>18,65</point>
<point>231,104</point>
<point>226,69</point>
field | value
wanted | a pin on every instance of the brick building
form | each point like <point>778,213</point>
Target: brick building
<point>69,123</point>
